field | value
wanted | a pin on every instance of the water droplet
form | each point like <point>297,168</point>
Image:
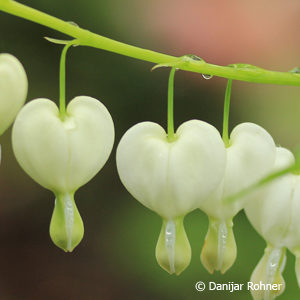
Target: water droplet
<point>243,66</point>
<point>73,23</point>
<point>194,57</point>
<point>295,70</point>
<point>207,76</point>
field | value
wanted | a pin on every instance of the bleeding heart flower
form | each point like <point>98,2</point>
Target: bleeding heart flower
<point>250,156</point>
<point>63,154</point>
<point>274,213</point>
<point>13,90</point>
<point>171,178</point>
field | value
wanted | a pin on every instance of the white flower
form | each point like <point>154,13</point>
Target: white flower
<point>62,155</point>
<point>274,212</point>
<point>171,178</point>
<point>13,90</point>
<point>250,156</point>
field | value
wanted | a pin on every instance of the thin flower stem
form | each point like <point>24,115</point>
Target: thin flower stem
<point>241,72</point>
<point>226,113</point>
<point>171,135</point>
<point>62,79</point>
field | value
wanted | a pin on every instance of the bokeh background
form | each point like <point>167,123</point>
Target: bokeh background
<point>116,258</point>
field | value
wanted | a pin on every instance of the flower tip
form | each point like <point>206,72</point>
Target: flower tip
<point>219,251</point>
<point>173,251</point>
<point>66,227</point>
<point>269,272</point>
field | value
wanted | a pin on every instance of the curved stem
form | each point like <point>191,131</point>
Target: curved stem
<point>226,113</point>
<point>171,134</point>
<point>87,38</point>
<point>62,79</point>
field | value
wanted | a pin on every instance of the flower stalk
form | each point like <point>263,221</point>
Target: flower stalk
<point>243,72</point>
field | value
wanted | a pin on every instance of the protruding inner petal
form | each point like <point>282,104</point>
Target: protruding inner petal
<point>173,251</point>
<point>222,241</point>
<point>170,239</point>
<point>269,272</point>
<point>69,219</point>
<point>66,228</point>
<point>219,250</point>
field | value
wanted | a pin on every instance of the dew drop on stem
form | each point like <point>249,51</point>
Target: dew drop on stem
<point>207,76</point>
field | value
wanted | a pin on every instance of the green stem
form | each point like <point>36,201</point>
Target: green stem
<point>171,135</point>
<point>87,38</point>
<point>226,113</point>
<point>62,79</point>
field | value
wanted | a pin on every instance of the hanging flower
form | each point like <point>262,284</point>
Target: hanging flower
<point>171,178</point>
<point>13,89</point>
<point>250,156</point>
<point>62,154</point>
<point>274,213</point>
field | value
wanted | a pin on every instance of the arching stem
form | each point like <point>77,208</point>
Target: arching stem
<point>87,38</point>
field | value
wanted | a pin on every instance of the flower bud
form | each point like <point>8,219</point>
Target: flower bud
<point>171,178</point>
<point>250,157</point>
<point>13,87</point>
<point>63,154</point>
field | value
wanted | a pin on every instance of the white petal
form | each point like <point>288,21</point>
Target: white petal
<point>250,156</point>
<point>292,239</point>
<point>270,210</point>
<point>63,155</point>
<point>171,178</point>
<point>13,89</point>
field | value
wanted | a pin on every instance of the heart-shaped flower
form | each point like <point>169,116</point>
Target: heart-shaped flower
<point>13,89</point>
<point>274,213</point>
<point>171,178</point>
<point>63,154</point>
<point>250,156</point>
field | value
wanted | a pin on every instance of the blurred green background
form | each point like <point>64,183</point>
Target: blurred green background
<point>116,259</point>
